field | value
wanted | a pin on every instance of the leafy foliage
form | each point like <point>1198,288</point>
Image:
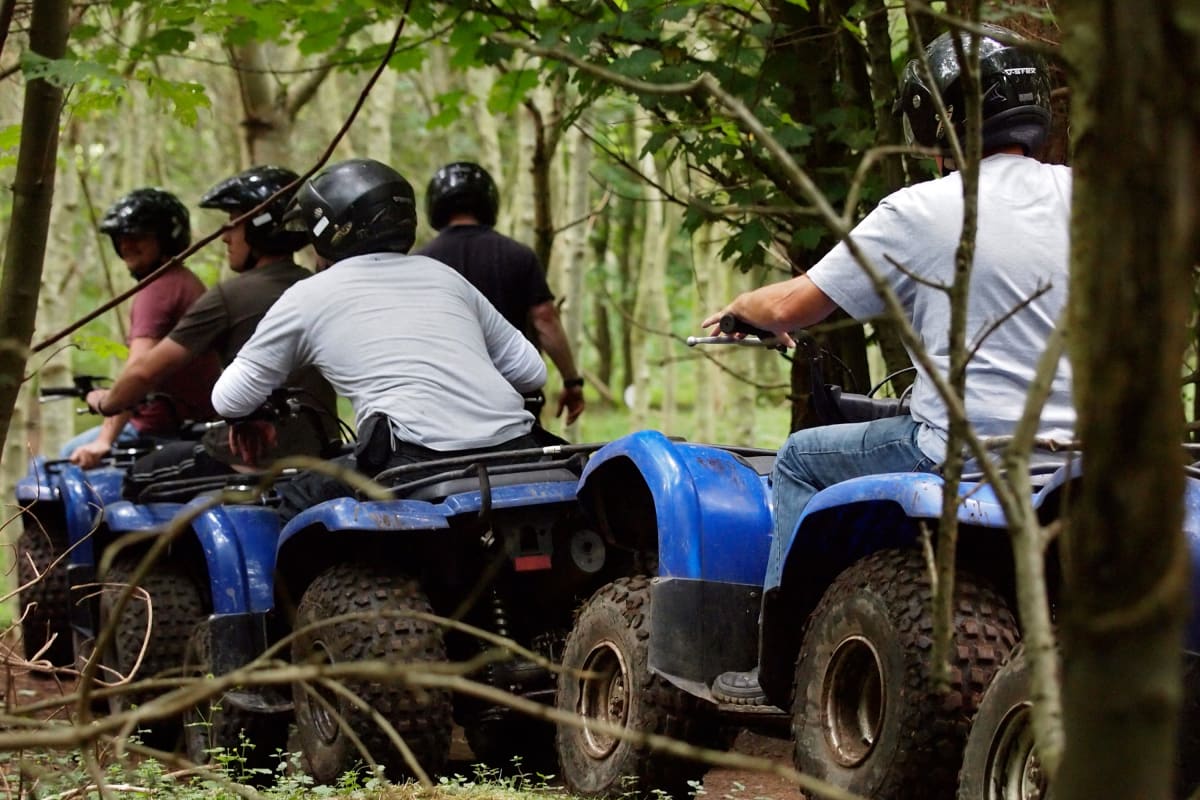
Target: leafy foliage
<point>800,65</point>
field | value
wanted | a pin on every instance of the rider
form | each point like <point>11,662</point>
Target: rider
<point>148,227</point>
<point>1017,293</point>
<point>259,252</point>
<point>461,202</point>
<point>430,367</point>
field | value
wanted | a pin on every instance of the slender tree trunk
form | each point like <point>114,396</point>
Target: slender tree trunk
<point>576,262</point>
<point>33,191</point>
<point>1137,133</point>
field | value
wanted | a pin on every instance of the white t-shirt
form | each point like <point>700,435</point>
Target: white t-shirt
<point>406,336</point>
<point>1021,248</point>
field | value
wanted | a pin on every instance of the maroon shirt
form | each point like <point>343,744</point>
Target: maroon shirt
<point>154,313</point>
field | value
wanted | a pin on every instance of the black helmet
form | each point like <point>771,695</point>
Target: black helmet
<point>461,187</point>
<point>244,191</point>
<point>150,211</point>
<point>1015,86</point>
<point>355,207</point>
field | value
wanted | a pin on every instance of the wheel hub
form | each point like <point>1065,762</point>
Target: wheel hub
<point>852,701</point>
<point>1013,769</point>
<point>604,696</point>
<point>324,715</point>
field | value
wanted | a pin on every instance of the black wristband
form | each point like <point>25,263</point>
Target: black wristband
<point>573,383</point>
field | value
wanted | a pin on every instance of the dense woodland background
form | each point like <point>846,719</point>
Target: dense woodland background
<point>651,206</point>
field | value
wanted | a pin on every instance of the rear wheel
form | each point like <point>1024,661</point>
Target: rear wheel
<point>44,602</point>
<point>178,606</point>
<point>386,633</point>
<point>606,677</point>
<point>866,716</point>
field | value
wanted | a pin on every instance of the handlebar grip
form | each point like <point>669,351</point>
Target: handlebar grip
<point>731,324</point>
<point>59,391</point>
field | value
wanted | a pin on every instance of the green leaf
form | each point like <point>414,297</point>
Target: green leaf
<point>102,346</point>
<point>802,3</point>
<point>65,72</point>
<point>511,90</point>
<point>638,64</point>
<point>181,98</point>
<point>451,105</point>
<point>170,40</point>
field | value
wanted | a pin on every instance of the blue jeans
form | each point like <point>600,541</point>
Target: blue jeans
<point>127,434</point>
<point>816,458</point>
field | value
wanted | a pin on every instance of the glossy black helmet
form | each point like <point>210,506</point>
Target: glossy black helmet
<point>461,188</point>
<point>265,231</point>
<point>1016,94</point>
<point>150,211</point>
<point>355,207</point>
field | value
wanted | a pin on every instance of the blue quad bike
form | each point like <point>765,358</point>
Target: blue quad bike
<point>206,599</point>
<point>492,540</point>
<point>842,632</point>
<point>59,504</point>
<point>496,541</point>
<point>214,580</point>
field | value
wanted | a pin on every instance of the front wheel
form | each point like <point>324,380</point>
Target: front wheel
<point>45,622</point>
<point>386,632</point>
<point>1001,761</point>
<point>866,716</point>
<point>606,677</point>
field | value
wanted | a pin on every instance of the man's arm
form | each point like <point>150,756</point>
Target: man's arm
<point>514,356</point>
<point>553,339</point>
<point>779,307</point>
<point>89,455</point>
<point>145,370</point>
<point>243,387</point>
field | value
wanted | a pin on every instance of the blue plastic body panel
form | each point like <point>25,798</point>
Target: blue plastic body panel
<point>81,493</point>
<point>238,544</point>
<point>348,514</point>
<point>713,511</point>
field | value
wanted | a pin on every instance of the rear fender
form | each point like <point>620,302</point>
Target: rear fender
<point>239,550</point>
<point>238,543</point>
<point>707,509</point>
<point>863,515</point>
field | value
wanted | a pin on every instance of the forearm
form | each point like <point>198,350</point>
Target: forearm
<point>111,428</point>
<point>785,306</point>
<point>553,339</point>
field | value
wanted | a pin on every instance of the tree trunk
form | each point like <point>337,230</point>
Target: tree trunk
<point>1133,244</point>
<point>574,265</point>
<point>33,190</point>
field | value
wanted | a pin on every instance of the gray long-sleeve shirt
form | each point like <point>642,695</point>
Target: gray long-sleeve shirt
<point>405,336</point>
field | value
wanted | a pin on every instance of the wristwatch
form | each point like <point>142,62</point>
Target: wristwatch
<point>573,383</point>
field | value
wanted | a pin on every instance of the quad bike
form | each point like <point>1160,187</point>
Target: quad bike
<point>213,580</point>
<point>841,632</point>
<point>492,540</point>
<point>59,503</point>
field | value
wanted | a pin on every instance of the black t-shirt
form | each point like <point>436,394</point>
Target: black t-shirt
<point>506,272</point>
